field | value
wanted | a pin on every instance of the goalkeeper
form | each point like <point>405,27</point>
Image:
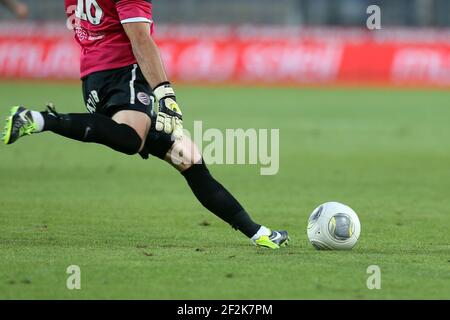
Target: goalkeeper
<point>123,77</point>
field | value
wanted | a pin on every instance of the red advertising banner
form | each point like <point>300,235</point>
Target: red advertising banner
<point>251,55</point>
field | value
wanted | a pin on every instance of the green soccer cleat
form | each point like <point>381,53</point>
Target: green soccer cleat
<point>20,123</point>
<point>276,240</point>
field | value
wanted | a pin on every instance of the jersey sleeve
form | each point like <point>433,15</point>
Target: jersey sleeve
<point>134,11</point>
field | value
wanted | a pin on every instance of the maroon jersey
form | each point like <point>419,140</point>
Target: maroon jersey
<point>98,29</point>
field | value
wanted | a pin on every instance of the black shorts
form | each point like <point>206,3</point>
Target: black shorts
<point>108,92</point>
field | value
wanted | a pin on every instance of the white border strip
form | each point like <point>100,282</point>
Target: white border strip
<point>133,79</point>
<point>137,19</point>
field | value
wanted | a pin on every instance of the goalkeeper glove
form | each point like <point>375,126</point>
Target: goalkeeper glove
<point>170,118</point>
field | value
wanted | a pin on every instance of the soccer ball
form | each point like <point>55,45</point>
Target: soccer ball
<point>333,226</point>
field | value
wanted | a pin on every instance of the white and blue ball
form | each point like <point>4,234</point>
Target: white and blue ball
<point>333,226</point>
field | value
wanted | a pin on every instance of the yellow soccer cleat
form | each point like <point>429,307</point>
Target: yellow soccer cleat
<point>276,240</point>
<point>20,123</point>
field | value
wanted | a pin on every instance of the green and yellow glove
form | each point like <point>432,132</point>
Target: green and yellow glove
<point>170,118</point>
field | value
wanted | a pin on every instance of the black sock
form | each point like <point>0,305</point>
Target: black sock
<point>214,197</point>
<point>94,128</point>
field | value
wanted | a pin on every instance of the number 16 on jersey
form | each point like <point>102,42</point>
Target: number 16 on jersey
<point>89,10</point>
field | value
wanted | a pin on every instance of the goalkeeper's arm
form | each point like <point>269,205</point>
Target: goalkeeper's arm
<point>149,59</point>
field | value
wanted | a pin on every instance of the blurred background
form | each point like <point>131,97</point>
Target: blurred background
<point>257,41</point>
<point>280,12</point>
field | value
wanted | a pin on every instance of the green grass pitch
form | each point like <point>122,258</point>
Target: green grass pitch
<point>137,232</point>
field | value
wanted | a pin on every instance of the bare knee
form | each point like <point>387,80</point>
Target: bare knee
<point>183,154</point>
<point>139,121</point>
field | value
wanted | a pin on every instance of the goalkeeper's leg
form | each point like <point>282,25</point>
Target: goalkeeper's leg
<point>125,132</point>
<point>186,158</point>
